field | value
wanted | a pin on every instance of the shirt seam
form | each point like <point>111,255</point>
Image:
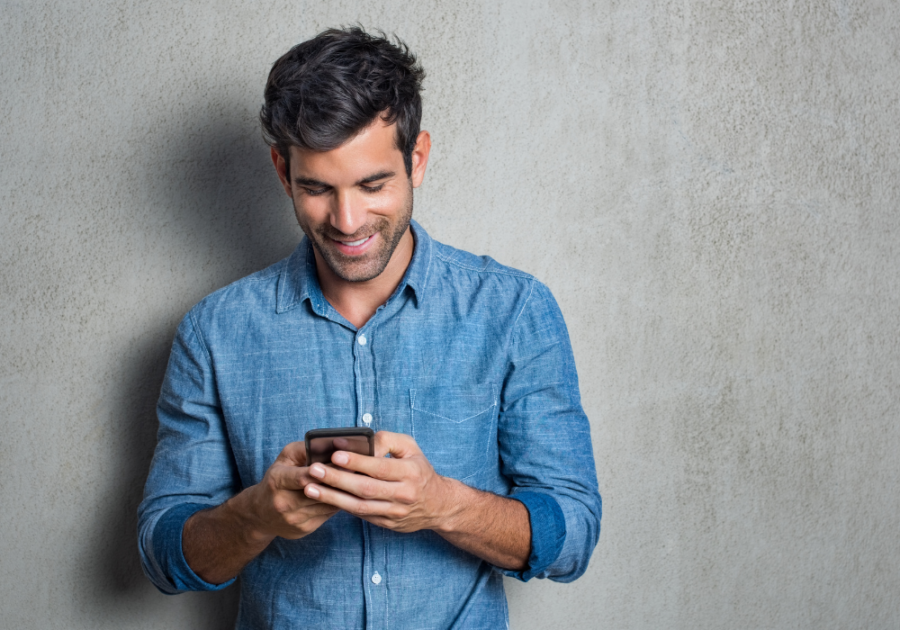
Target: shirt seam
<point>502,271</point>
<point>522,310</point>
<point>196,329</point>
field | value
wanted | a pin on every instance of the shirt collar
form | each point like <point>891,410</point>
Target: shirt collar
<point>298,280</point>
<point>416,277</point>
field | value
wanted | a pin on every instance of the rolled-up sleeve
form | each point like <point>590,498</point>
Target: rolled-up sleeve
<point>192,466</point>
<point>545,443</point>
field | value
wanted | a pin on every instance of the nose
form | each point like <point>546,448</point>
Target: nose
<point>348,212</point>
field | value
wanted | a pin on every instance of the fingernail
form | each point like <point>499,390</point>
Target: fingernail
<point>312,492</point>
<point>317,470</point>
<point>340,458</point>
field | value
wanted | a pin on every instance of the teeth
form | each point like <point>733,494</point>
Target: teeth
<point>355,243</point>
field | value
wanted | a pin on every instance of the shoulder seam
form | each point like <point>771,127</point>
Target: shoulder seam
<point>272,271</point>
<point>506,271</point>
<point>196,328</point>
<point>522,310</point>
<point>263,274</point>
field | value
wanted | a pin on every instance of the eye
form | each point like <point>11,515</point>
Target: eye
<point>373,189</point>
<point>314,192</point>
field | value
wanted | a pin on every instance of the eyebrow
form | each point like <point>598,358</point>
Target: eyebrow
<point>376,177</point>
<point>315,183</point>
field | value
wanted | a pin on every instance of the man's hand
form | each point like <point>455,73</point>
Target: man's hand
<point>402,493</point>
<point>277,506</point>
<point>219,542</point>
<point>405,494</point>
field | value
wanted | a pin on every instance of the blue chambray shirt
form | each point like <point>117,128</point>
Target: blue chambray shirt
<point>469,357</point>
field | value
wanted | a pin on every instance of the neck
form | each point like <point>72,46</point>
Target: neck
<point>358,301</point>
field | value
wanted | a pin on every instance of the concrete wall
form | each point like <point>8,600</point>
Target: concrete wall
<point>710,188</point>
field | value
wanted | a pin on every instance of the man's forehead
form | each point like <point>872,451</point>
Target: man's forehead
<point>374,147</point>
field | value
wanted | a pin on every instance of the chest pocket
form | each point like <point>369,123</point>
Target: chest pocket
<point>454,428</point>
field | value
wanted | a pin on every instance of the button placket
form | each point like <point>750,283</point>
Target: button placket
<point>373,546</point>
<point>364,356</point>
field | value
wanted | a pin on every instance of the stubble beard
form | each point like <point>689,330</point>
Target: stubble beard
<point>352,268</point>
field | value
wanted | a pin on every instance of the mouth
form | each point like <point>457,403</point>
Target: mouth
<point>354,247</point>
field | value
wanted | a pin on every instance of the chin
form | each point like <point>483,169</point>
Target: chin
<point>356,271</point>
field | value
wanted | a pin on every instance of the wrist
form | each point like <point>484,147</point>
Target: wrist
<point>451,512</point>
<point>241,511</point>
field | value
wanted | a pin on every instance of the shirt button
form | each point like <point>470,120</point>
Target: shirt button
<point>362,340</point>
<point>376,579</point>
<point>367,418</point>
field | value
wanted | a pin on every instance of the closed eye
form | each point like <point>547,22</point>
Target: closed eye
<point>372,189</point>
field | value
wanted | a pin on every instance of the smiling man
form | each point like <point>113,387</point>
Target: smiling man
<point>483,463</point>
<point>355,204</point>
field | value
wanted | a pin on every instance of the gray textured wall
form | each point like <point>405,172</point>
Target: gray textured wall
<point>709,187</point>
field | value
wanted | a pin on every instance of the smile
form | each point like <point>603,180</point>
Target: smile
<point>354,248</point>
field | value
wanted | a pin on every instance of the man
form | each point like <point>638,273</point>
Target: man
<point>483,462</point>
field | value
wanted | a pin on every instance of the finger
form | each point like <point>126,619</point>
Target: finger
<point>292,505</point>
<point>362,508</point>
<point>398,445</point>
<point>362,486</point>
<point>289,477</point>
<point>310,525</point>
<point>384,468</point>
<point>309,507</point>
<point>293,454</point>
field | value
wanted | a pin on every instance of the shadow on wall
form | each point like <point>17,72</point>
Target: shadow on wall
<point>221,215</point>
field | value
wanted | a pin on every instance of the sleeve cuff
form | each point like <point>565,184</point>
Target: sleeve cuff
<point>167,538</point>
<point>548,533</point>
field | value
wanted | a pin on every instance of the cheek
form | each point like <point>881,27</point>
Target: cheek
<point>386,204</point>
<point>310,211</point>
<point>392,202</point>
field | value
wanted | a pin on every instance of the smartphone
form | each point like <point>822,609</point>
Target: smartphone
<point>322,443</point>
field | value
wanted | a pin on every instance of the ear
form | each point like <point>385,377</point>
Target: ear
<point>420,158</point>
<point>281,168</point>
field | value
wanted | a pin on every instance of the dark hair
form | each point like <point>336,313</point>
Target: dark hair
<point>327,89</point>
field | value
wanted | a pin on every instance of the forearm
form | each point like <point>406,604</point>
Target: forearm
<point>494,528</point>
<point>219,542</point>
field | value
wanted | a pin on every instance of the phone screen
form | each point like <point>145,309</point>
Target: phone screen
<point>322,443</point>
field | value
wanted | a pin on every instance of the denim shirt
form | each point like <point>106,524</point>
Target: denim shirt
<point>469,357</point>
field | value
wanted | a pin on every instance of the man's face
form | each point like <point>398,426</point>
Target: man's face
<point>355,202</point>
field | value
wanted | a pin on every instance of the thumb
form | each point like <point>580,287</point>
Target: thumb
<point>397,445</point>
<point>294,454</point>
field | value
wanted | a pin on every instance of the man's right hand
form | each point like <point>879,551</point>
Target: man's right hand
<point>219,542</point>
<point>277,505</point>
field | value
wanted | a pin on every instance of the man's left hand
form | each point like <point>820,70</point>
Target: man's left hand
<point>404,493</point>
<point>401,492</point>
